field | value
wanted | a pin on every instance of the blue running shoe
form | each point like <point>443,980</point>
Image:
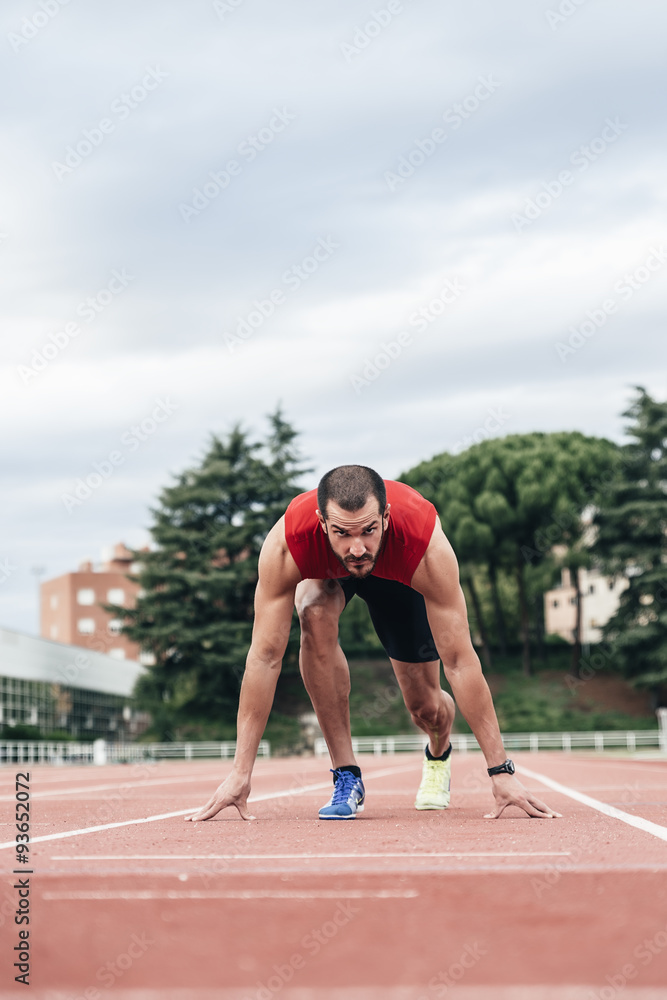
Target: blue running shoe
<point>347,799</point>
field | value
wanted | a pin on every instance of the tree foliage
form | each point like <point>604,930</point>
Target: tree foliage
<point>504,503</point>
<point>631,525</point>
<point>196,604</point>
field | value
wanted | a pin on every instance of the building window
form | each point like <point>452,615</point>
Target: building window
<point>554,603</point>
<point>114,626</point>
<point>573,600</point>
<point>85,596</point>
<point>117,654</point>
<point>591,589</point>
<point>147,658</point>
<point>54,631</point>
<point>116,595</point>
<point>611,584</point>
<point>53,602</point>
<point>86,626</point>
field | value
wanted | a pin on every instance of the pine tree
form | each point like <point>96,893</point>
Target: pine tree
<point>196,608</point>
<point>632,540</point>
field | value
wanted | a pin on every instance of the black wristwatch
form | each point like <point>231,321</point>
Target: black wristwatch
<point>506,768</point>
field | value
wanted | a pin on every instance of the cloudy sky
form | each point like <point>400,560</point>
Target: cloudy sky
<point>413,223</point>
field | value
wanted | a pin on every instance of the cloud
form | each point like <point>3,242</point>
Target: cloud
<point>186,91</point>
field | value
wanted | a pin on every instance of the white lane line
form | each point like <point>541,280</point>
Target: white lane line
<point>642,824</point>
<point>300,790</point>
<point>117,786</point>
<point>236,894</point>
<point>306,857</point>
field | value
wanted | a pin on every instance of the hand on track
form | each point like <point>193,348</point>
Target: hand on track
<point>233,791</point>
<point>510,792</point>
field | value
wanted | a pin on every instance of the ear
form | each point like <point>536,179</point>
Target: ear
<point>387,512</point>
<point>323,523</point>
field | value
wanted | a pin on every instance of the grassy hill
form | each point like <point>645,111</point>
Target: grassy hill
<point>551,700</point>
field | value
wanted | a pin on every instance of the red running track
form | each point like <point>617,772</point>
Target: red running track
<point>396,904</point>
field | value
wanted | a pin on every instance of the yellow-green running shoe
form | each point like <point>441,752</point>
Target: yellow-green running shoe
<point>434,788</point>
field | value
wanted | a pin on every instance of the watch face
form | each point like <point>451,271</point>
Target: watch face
<point>510,767</point>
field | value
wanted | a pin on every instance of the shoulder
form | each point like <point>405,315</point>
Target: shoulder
<point>438,567</point>
<point>277,567</point>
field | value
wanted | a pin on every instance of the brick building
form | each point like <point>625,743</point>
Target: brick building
<point>71,606</point>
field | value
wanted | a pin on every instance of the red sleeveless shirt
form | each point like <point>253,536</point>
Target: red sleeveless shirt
<point>411,523</point>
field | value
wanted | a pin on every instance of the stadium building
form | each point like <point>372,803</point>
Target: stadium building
<point>58,688</point>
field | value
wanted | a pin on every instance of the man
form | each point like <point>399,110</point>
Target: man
<point>358,533</point>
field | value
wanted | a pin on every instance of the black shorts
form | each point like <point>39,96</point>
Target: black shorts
<point>399,616</point>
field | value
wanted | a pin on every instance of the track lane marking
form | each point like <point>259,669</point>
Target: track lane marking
<point>306,857</point>
<point>233,894</point>
<point>116,786</point>
<point>301,790</point>
<point>637,821</point>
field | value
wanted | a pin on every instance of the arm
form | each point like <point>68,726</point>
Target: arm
<point>437,579</point>
<point>274,601</point>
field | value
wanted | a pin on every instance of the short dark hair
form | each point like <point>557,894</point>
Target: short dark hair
<point>350,486</point>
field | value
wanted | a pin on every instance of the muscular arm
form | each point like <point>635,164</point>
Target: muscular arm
<point>437,579</point>
<point>274,601</point>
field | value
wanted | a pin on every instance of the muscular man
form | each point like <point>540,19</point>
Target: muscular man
<point>358,533</point>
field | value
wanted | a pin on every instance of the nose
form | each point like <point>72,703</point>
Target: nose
<point>357,548</point>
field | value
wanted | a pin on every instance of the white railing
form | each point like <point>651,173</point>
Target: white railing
<point>14,752</point>
<point>463,742</point>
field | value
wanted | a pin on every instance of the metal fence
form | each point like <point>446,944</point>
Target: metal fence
<point>99,752</point>
<point>462,742</point>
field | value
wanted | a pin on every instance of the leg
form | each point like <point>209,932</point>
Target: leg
<point>433,711</point>
<point>431,708</point>
<point>323,666</point>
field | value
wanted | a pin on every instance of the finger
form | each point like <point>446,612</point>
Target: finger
<point>538,810</point>
<point>544,809</point>
<point>499,811</point>
<point>199,813</point>
<point>242,806</point>
<point>207,811</point>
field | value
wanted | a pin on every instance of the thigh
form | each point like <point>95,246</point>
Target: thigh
<point>419,682</point>
<point>321,596</point>
<point>399,617</point>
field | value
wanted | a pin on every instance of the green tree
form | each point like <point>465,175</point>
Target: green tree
<point>195,611</point>
<point>631,539</point>
<point>506,502</point>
